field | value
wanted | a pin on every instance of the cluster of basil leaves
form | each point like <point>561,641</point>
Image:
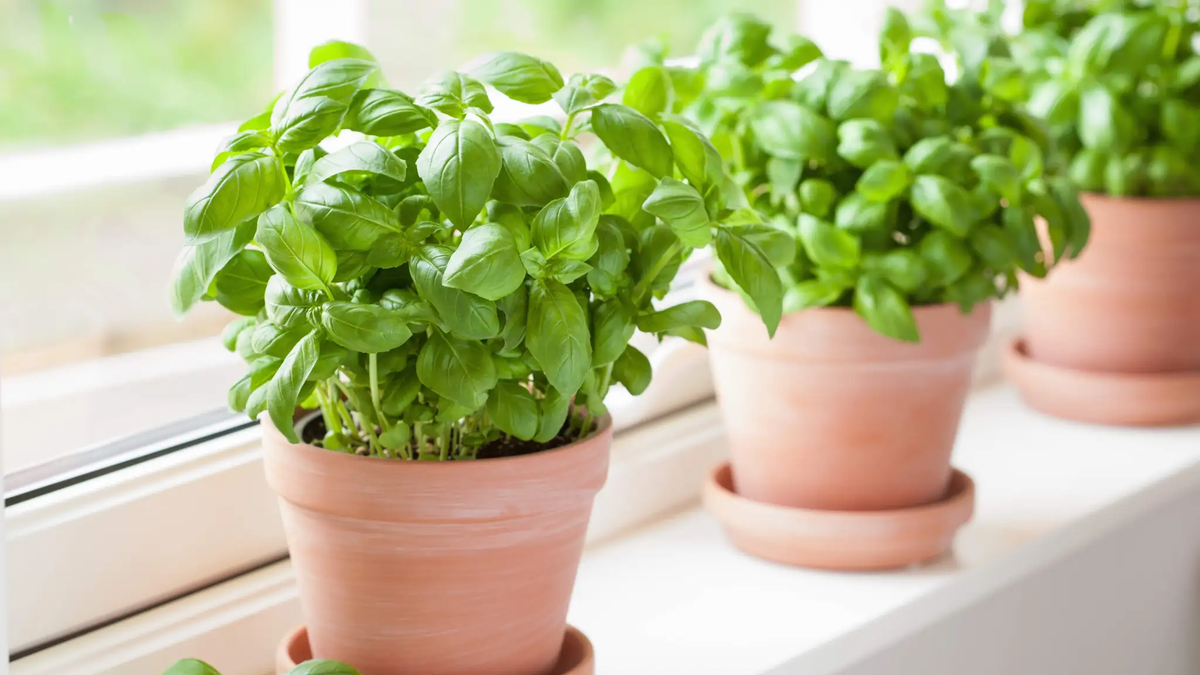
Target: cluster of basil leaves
<point>890,187</point>
<point>1117,82</point>
<point>311,667</point>
<point>436,280</point>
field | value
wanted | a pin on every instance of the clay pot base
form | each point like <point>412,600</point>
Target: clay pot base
<point>840,540</point>
<point>576,658</point>
<point>1141,399</point>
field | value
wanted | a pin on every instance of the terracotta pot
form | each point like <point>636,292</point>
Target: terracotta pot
<point>437,568</point>
<point>1131,302</point>
<point>831,415</point>
<point>841,540</point>
<point>576,656</point>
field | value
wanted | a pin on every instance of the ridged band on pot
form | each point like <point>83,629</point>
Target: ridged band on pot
<point>437,568</point>
<point>831,415</point>
<point>1130,303</point>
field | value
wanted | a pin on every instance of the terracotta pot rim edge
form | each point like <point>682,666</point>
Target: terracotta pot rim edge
<point>1193,201</point>
<point>603,427</point>
<point>965,494</point>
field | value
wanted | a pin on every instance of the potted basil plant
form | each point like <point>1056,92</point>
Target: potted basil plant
<point>454,297</point>
<point>1114,338</point>
<point>895,207</point>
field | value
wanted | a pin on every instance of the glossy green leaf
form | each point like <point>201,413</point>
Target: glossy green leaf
<point>557,335</point>
<point>288,306</point>
<point>365,157</point>
<point>459,166</point>
<point>486,263</point>
<point>468,316</point>
<point>827,245</point>
<point>633,370</point>
<point>681,207</point>
<point>241,188</point>
<point>613,324</point>
<point>283,393</point>
<point>348,219</point>
<point>529,175</point>
<point>191,667</point>
<point>453,93</point>
<point>566,227</point>
<point>633,137</point>
<point>583,90</point>
<point>386,112</point>
<point>649,91</point>
<point>460,370</point>
<point>513,409</point>
<point>697,313</point>
<point>751,269</point>
<point>884,181</point>
<point>520,77</point>
<point>364,328</point>
<point>817,196</point>
<point>864,142</point>
<point>944,203</point>
<point>789,130</point>
<point>884,309</point>
<point>296,250</point>
<point>241,283</point>
<point>197,266</point>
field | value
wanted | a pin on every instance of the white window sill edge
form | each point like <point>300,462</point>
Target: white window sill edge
<point>674,597</point>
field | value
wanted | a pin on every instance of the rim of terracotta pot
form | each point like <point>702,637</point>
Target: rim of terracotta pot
<point>841,540</point>
<point>1126,399</point>
<point>577,657</point>
<point>603,424</point>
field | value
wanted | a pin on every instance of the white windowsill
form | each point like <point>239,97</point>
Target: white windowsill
<point>675,597</point>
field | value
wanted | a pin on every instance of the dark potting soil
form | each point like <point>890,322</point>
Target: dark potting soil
<point>505,446</point>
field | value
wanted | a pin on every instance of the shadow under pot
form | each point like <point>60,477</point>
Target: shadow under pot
<point>840,438</point>
<point>1113,336</point>
<point>437,568</point>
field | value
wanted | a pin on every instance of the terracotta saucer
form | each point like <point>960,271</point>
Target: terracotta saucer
<point>576,658</point>
<point>1142,399</point>
<point>840,540</point>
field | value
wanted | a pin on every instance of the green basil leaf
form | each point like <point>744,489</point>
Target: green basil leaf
<point>655,245</point>
<point>610,260</point>
<point>901,267</point>
<point>884,181</point>
<point>557,335</point>
<point>197,266</point>
<point>697,313</point>
<point>1002,78</point>
<point>452,93</point>
<point>288,306</point>
<point>649,91</point>
<point>337,80</point>
<point>884,309</point>
<point>751,269</point>
<point>861,215</point>
<point>999,175</point>
<point>1104,124</point>
<point>943,203</point>
<point>241,188</point>
<point>513,409</point>
<point>364,156</point>
<point>923,81</point>
<point>515,307</point>
<point>1087,169</point>
<point>296,250</point>
<point>520,77</point>
<point>513,220</point>
<point>459,166</point>
<point>566,271</point>
<point>541,125</point>
<point>229,334</point>
<point>828,245</point>
<point>322,667</point>
<point>1054,101</point>
<point>468,316</point>
<point>812,91</point>
<point>788,130</point>
<point>191,667</point>
<point>400,392</point>
<point>682,209</point>
<point>582,91</point>
<point>566,227</point>
<point>817,196</point>
<point>864,142</point>
<point>862,94</point>
<point>529,175</point>
<point>812,293</point>
<point>364,328</point>
<point>797,51</point>
<point>460,370</point>
<point>272,340</point>
<point>1076,220</point>
<point>633,137</point>
<point>613,325</point>
<point>994,247</point>
<point>243,281</point>
<point>633,370</point>
<point>697,159</point>
<point>241,142</point>
<point>486,263</point>
<point>304,164</point>
<point>332,357</point>
<point>735,37</point>
<point>386,112</point>
<point>1125,175</point>
<point>553,408</point>
<point>779,245</point>
<point>939,156</point>
<point>348,219</point>
<point>337,49</point>
<point>946,257</point>
<point>567,156</point>
<point>309,122</point>
<point>895,37</point>
<point>283,392</point>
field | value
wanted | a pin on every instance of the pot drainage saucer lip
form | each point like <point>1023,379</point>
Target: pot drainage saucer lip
<point>576,658</point>
<point>1130,399</point>
<point>840,540</point>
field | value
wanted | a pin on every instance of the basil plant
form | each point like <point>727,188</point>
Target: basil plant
<point>314,667</point>
<point>1117,81</point>
<point>880,189</point>
<point>440,285</point>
